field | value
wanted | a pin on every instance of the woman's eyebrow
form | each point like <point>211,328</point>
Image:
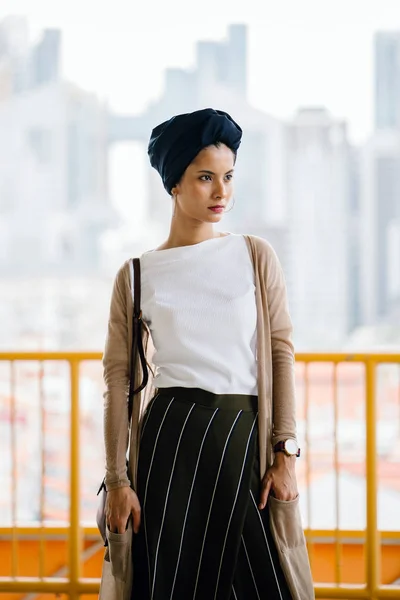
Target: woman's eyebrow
<point>212,173</point>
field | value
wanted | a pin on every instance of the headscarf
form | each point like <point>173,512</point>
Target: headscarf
<point>175,143</point>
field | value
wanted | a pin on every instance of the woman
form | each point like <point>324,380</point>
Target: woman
<point>211,486</point>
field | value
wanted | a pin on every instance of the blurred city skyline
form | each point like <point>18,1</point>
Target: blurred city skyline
<point>89,199</point>
<point>303,53</point>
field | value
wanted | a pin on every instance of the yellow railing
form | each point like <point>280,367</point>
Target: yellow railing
<point>74,585</point>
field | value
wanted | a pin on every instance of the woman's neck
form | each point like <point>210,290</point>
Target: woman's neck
<point>185,237</point>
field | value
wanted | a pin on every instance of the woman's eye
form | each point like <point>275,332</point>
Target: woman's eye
<point>208,177</point>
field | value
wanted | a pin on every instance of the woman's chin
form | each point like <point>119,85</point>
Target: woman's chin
<point>215,217</point>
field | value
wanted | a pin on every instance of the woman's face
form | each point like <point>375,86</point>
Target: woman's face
<point>206,187</point>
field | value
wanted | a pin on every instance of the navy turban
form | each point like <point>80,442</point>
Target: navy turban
<point>175,143</point>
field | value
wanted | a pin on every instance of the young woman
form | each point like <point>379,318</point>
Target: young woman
<point>211,485</point>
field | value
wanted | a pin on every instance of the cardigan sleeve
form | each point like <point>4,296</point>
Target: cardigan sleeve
<point>116,379</point>
<point>283,383</point>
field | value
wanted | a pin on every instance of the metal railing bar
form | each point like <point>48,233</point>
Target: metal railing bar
<point>14,471</point>
<point>372,534</point>
<point>338,550</point>
<point>310,544</point>
<point>75,536</point>
<point>42,557</point>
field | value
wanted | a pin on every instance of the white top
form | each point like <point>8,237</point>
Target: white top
<point>199,303</point>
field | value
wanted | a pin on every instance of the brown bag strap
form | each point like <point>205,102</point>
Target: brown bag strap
<point>137,286</point>
<point>137,346</point>
<point>137,341</point>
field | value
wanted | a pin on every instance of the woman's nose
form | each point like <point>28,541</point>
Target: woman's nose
<point>219,190</point>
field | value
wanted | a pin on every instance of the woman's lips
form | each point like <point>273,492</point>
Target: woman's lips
<point>217,209</point>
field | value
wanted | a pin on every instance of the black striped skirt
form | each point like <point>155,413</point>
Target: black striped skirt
<point>202,536</point>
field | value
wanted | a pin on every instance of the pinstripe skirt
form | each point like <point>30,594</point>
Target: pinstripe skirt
<point>202,536</point>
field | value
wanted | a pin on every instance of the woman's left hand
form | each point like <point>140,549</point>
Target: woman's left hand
<point>280,480</point>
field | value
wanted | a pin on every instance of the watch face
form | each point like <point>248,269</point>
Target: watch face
<point>291,446</point>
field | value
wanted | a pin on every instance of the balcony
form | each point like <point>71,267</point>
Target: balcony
<point>51,437</point>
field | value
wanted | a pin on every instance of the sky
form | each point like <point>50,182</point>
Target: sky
<point>301,52</point>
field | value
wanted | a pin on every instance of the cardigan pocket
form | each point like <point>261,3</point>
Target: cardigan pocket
<point>120,553</point>
<point>288,534</point>
<point>110,587</point>
<point>285,519</point>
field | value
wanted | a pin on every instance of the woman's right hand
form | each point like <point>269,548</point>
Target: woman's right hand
<point>121,503</point>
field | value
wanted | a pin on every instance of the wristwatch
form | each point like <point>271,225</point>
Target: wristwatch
<point>289,447</point>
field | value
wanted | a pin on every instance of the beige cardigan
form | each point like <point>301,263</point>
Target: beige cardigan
<point>276,398</point>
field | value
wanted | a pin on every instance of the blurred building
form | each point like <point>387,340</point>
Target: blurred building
<point>387,80</point>
<point>27,67</point>
<point>45,58</point>
<point>380,216</point>
<point>380,191</point>
<point>324,259</point>
<point>54,203</point>
<point>15,73</point>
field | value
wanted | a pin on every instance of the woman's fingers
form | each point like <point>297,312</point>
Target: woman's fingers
<point>265,490</point>
<point>117,525</point>
<point>117,519</point>
<point>121,526</point>
<point>285,494</point>
<point>136,517</point>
